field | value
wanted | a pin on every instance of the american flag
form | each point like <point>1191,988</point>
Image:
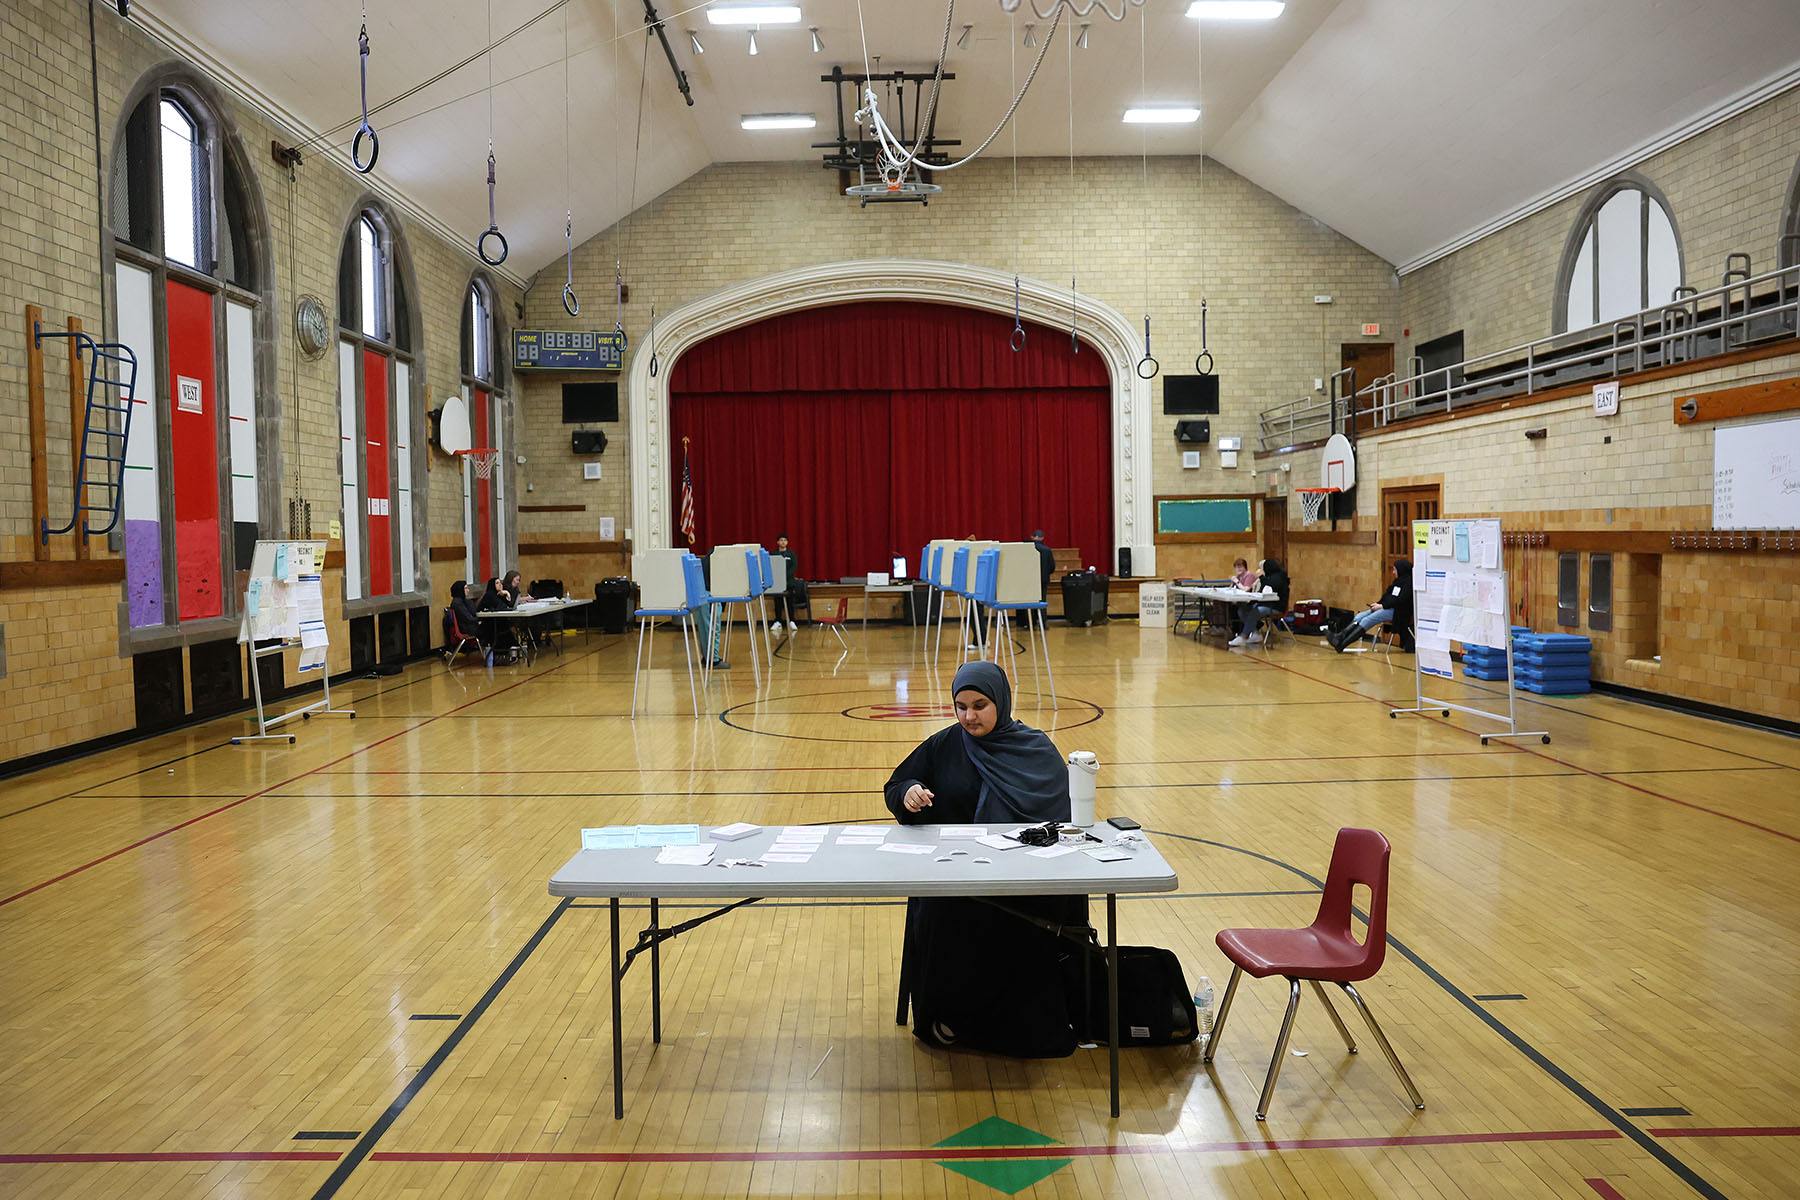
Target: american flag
<point>687,496</point>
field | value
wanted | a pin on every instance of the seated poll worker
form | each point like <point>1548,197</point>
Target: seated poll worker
<point>495,598</point>
<point>1275,579</point>
<point>980,978</point>
<point>466,620</point>
<point>1243,576</point>
<point>1395,608</point>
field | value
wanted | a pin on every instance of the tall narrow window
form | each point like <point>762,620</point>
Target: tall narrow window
<point>1622,257</point>
<point>186,197</point>
<point>371,264</point>
<point>484,500</point>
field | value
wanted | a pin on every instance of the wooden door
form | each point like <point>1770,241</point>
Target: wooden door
<point>1275,529</point>
<point>1400,507</point>
<point>1371,361</point>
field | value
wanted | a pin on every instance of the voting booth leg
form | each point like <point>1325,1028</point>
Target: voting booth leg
<point>1044,637</point>
<point>1112,995</point>
<point>618,1036</point>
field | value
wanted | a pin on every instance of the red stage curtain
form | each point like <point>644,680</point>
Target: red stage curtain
<point>866,430</point>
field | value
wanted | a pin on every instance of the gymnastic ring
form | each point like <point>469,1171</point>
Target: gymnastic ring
<point>653,366</point>
<point>1154,367</point>
<point>363,168</point>
<point>571,305</point>
<point>481,246</point>
<point>1018,338</point>
<point>1208,368</point>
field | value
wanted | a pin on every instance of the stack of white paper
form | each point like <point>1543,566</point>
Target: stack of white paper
<point>685,856</point>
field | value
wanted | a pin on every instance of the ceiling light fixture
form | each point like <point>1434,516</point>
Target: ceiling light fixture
<point>777,121</point>
<point>1030,34</point>
<point>962,40</point>
<point>753,41</point>
<point>1235,10</point>
<point>695,38</point>
<point>817,45</point>
<point>753,14</point>
<point>1161,116</point>
<point>1081,42</point>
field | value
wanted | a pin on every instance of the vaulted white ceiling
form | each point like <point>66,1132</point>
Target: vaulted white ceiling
<point>1404,124</point>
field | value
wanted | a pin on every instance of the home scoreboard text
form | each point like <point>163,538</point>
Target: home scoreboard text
<point>567,350</point>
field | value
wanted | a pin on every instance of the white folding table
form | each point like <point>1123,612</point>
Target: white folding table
<point>835,872</point>
<point>533,608</point>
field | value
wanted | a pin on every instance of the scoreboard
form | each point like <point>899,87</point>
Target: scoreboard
<point>567,350</point>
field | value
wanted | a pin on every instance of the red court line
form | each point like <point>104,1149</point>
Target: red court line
<point>1124,762</point>
<point>1606,1190</point>
<point>284,783</point>
<point>969,1153</point>
<point>154,1156</point>
<point>1443,723</point>
<point>1731,1131</point>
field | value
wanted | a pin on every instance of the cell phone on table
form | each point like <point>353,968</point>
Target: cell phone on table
<point>1123,823</point>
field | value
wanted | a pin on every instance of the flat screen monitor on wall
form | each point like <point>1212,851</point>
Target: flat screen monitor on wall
<point>1190,395</point>
<point>585,402</point>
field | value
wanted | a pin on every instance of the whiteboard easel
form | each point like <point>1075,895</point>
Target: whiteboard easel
<point>285,601</point>
<point>1459,595</point>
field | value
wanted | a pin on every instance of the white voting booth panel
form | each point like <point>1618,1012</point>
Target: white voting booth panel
<point>284,604</point>
<point>1460,595</point>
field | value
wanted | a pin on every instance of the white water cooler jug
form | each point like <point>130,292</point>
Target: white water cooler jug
<point>1084,767</point>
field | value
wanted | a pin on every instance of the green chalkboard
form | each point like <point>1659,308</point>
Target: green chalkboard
<point>1228,514</point>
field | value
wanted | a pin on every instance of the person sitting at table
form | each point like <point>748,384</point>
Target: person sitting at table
<point>1395,609</point>
<point>466,620</point>
<point>1242,575</point>
<point>1272,578</point>
<point>504,640</point>
<point>980,978</point>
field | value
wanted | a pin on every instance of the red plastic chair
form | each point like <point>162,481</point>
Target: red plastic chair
<point>456,640</point>
<point>1325,951</point>
<point>836,623</point>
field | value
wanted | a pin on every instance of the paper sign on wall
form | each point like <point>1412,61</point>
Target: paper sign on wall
<point>337,531</point>
<point>606,529</point>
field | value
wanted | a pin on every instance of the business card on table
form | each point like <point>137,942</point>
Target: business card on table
<point>731,833</point>
<point>907,848</point>
<point>999,841</point>
<point>1107,853</point>
<point>963,831</point>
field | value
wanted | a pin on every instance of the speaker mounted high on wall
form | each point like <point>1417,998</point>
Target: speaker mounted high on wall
<point>1190,395</point>
<point>1193,431</point>
<point>587,441</point>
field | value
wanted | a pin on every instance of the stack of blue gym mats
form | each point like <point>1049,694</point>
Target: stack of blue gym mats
<point>1549,664</point>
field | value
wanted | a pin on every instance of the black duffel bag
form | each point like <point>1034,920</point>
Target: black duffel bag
<point>1155,1006</point>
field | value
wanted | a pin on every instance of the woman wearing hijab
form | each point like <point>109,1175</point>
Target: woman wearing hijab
<point>981,978</point>
<point>1275,579</point>
<point>1395,608</point>
<point>466,621</point>
<point>497,599</point>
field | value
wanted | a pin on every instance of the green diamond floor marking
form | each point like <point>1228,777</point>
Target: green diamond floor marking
<point>996,1131</point>
<point>1011,1177</point>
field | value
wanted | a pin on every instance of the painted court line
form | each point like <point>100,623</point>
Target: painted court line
<point>1605,1190</point>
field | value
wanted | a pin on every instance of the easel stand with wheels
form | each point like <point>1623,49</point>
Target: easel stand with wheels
<point>1459,595</point>
<point>285,604</point>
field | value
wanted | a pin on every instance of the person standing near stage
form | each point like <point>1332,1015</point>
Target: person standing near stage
<point>784,610</point>
<point>1046,563</point>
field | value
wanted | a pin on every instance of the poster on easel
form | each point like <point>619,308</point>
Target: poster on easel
<point>284,609</point>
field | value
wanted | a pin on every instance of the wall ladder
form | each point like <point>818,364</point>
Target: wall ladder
<point>105,431</point>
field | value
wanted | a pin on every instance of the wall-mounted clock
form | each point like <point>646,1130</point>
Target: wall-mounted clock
<point>312,326</point>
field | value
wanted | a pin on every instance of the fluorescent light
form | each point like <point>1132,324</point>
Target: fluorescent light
<point>777,121</point>
<point>1161,116</point>
<point>1235,10</point>
<point>753,14</point>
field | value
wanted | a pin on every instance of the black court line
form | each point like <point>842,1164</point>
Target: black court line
<point>1673,1110</point>
<point>1504,996</point>
<point>327,1135</point>
<point>1611,1115</point>
<point>435,1017</point>
<point>383,1123</point>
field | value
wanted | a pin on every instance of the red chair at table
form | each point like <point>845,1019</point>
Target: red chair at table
<point>1325,951</point>
<point>836,623</point>
<point>457,639</point>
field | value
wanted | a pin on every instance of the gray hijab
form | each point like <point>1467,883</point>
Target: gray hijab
<point>1023,777</point>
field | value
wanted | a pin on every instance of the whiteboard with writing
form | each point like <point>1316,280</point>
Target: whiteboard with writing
<point>1756,475</point>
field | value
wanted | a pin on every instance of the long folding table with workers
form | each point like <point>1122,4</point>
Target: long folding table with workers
<point>885,861</point>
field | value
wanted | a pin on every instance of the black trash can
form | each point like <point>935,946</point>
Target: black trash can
<point>1084,597</point>
<point>612,604</point>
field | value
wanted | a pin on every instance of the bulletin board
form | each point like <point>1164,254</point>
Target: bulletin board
<point>1190,519</point>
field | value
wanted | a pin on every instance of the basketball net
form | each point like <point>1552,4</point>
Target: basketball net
<point>482,459</point>
<point>1312,503</point>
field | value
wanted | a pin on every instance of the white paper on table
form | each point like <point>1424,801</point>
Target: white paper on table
<point>685,856</point>
<point>795,847</point>
<point>963,831</point>
<point>860,841</point>
<point>1107,853</point>
<point>999,841</point>
<point>906,848</point>
<point>1054,851</point>
<point>772,856</point>
<point>609,837</point>
<point>312,635</point>
<point>804,833</point>
<point>734,831</point>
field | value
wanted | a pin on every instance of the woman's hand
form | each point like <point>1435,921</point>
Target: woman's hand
<point>918,798</point>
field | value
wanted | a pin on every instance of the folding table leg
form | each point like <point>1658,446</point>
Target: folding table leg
<point>655,978</point>
<point>618,1035</point>
<point>1112,995</point>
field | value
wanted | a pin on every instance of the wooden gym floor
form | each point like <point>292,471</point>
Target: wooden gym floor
<point>333,970</point>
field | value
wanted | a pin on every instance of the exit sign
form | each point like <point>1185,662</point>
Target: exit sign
<point>1371,330</point>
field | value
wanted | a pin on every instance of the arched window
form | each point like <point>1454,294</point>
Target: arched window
<point>1622,257</point>
<point>377,418</point>
<point>188,287</point>
<point>484,500</point>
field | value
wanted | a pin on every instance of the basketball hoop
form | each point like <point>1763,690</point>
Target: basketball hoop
<point>482,458</point>
<point>1312,502</point>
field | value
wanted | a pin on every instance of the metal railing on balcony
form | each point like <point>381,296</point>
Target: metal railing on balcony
<point>1744,310</point>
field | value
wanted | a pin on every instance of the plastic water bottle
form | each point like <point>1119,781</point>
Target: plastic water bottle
<point>1084,765</point>
<point>1203,1006</point>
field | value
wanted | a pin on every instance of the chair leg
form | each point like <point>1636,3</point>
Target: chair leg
<point>1218,1029</point>
<point>1281,1044</point>
<point>1381,1040</point>
<point>1325,999</point>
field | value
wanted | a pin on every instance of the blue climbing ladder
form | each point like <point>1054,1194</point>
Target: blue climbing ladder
<point>112,385</point>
